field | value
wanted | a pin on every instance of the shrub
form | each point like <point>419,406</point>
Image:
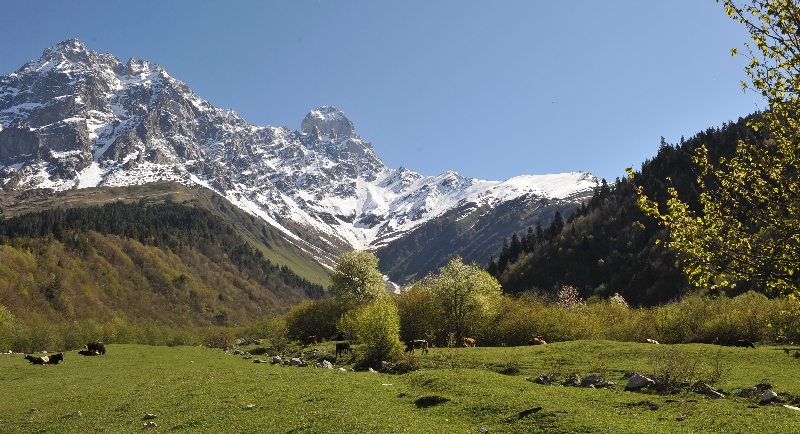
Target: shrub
<point>786,322</point>
<point>418,317</point>
<point>378,329</point>
<point>218,338</point>
<point>272,329</point>
<point>313,317</point>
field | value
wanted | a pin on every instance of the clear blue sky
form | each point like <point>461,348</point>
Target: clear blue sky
<point>490,89</point>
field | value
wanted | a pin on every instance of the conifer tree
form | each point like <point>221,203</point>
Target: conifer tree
<point>515,249</point>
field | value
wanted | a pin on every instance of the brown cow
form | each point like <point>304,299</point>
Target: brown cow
<point>342,348</point>
<point>469,342</point>
<point>743,343</point>
<point>537,341</point>
<point>417,343</point>
<point>311,340</point>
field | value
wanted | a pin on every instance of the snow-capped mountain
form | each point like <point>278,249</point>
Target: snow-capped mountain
<point>75,118</point>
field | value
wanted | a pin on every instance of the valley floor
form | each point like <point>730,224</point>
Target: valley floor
<point>197,389</point>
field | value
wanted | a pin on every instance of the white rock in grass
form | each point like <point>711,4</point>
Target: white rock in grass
<point>637,381</point>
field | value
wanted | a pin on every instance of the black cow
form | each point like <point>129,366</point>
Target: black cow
<point>342,348</point>
<point>89,352</point>
<point>743,343</point>
<point>417,343</point>
<point>46,360</point>
<point>96,346</point>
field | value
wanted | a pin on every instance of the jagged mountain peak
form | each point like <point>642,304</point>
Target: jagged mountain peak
<point>330,121</point>
<point>66,47</point>
<point>94,121</point>
<point>67,55</point>
<point>142,68</point>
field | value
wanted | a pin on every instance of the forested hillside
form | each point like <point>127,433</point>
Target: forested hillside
<point>166,262</point>
<point>608,245</point>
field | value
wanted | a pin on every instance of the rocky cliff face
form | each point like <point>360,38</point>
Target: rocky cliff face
<point>75,118</point>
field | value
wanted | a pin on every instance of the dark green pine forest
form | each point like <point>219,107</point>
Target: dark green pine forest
<point>607,245</point>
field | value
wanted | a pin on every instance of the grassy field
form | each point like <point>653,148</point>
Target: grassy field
<point>197,389</point>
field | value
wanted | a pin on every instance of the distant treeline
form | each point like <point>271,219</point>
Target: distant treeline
<point>607,245</point>
<point>164,225</point>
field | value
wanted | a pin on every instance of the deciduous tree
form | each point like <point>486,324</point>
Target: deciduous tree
<point>749,226</point>
<point>355,278</point>
<point>464,292</point>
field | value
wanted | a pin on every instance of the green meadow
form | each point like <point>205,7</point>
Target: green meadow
<point>455,390</point>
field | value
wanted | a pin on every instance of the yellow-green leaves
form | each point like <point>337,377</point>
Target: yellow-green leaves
<point>748,224</point>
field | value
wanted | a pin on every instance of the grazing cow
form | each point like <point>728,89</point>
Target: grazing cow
<point>96,346</point>
<point>743,343</point>
<point>417,343</point>
<point>469,342</point>
<point>311,340</point>
<point>342,348</point>
<point>537,341</point>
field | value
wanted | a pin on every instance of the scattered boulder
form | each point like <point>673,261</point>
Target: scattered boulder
<point>763,386</point>
<point>755,390</point>
<point>748,392</point>
<point>768,397</point>
<point>327,365</point>
<point>543,379</point>
<point>277,360</point>
<point>573,380</point>
<point>638,381</point>
<point>593,380</point>
<point>296,361</point>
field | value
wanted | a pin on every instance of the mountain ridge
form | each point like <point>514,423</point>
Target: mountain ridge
<point>75,118</point>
